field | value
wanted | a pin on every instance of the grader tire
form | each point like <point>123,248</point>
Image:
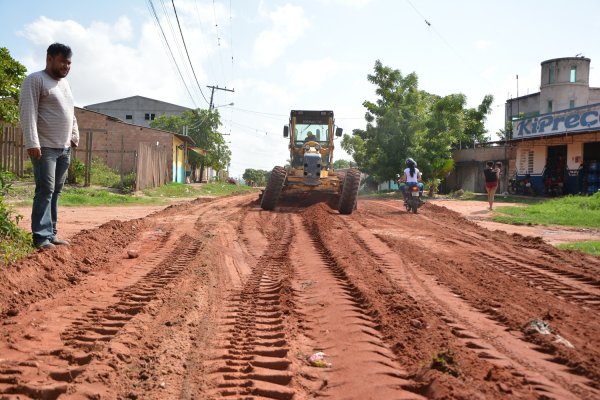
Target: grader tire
<point>349,192</point>
<point>273,189</point>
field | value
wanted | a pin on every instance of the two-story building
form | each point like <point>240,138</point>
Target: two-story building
<point>556,131</point>
<point>137,110</point>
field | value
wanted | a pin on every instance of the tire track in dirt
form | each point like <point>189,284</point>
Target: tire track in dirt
<point>550,279</point>
<point>253,359</point>
<point>508,348</point>
<point>340,321</point>
<point>47,374</point>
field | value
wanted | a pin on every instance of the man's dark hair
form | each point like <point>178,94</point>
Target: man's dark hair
<point>59,48</point>
<point>490,164</point>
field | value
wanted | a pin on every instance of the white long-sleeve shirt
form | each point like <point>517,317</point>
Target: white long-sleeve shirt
<point>47,112</point>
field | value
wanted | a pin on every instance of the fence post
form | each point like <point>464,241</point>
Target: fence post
<point>88,157</point>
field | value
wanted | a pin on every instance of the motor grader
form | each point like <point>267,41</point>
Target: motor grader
<point>310,171</point>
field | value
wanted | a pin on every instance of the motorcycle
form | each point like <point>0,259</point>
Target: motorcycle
<point>412,197</point>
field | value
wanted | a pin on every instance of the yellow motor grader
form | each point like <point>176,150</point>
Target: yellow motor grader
<point>311,135</point>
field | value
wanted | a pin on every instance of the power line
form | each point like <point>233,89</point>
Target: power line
<point>174,37</point>
<point>153,10</point>
<point>219,49</point>
<point>186,51</point>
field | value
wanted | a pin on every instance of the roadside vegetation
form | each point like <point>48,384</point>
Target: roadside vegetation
<point>590,247</point>
<point>15,243</point>
<point>500,198</point>
<point>576,211</point>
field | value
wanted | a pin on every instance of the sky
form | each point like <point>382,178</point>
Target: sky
<point>287,55</point>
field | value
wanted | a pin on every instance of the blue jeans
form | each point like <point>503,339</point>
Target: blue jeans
<point>50,173</point>
<point>403,186</point>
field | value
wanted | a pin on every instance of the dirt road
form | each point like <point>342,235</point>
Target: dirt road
<point>224,300</point>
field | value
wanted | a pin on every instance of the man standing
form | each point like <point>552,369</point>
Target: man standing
<point>49,131</point>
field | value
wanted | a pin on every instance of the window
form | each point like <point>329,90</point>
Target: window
<point>152,116</point>
<point>526,161</point>
<point>571,103</point>
<point>551,74</point>
<point>549,106</point>
<point>128,116</point>
<point>147,117</point>
<point>573,77</point>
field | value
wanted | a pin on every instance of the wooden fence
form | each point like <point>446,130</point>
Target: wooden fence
<point>12,150</point>
<point>152,168</point>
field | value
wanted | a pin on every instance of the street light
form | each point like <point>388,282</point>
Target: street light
<point>224,105</point>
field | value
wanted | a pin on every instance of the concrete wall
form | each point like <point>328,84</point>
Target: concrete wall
<point>137,107</point>
<point>469,166</point>
<point>116,142</point>
<point>525,106</point>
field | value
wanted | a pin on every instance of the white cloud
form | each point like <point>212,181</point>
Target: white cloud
<point>288,25</point>
<point>310,74</point>
<point>483,44</point>
<point>348,3</point>
<point>120,30</point>
<point>104,69</point>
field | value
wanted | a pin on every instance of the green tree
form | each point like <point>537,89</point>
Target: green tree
<point>407,122</point>
<point>339,164</point>
<point>258,176</point>
<point>202,128</point>
<point>12,74</point>
<point>474,131</point>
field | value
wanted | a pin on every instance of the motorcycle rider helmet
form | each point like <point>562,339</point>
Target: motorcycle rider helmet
<point>410,161</point>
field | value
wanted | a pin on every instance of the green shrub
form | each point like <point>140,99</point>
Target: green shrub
<point>76,171</point>
<point>15,243</point>
<point>128,184</point>
<point>103,175</point>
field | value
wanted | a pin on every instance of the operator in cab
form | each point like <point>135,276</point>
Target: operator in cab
<point>310,137</point>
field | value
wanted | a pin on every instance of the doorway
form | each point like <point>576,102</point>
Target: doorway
<point>555,171</point>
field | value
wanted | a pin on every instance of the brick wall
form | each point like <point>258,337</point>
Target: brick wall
<point>116,142</point>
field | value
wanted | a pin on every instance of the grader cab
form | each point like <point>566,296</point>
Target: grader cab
<point>311,135</point>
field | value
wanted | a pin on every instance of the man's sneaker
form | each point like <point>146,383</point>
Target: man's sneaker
<point>60,242</point>
<point>46,244</point>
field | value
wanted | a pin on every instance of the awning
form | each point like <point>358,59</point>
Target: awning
<point>198,150</point>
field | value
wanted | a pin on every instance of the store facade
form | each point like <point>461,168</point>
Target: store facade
<point>556,132</point>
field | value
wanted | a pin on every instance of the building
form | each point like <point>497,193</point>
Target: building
<point>117,144</point>
<point>556,131</point>
<point>137,110</point>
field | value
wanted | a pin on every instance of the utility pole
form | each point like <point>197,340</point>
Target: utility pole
<point>212,94</point>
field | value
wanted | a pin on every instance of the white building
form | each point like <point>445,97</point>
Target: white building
<point>557,130</point>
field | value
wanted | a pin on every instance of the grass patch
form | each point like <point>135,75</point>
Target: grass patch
<point>501,198</point>
<point>577,211</point>
<point>590,247</point>
<point>75,196</point>
<point>224,189</point>
<point>172,189</point>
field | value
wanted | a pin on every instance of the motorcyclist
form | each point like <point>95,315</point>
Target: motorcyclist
<point>411,175</point>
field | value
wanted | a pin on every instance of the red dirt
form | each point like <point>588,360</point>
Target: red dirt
<point>228,301</point>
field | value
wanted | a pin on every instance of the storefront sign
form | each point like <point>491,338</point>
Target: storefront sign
<point>579,119</point>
